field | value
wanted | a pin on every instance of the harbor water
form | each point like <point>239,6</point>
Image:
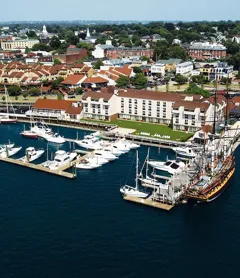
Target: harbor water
<point>56,227</point>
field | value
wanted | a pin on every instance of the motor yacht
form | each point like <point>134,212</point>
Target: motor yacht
<point>32,154</point>
<point>170,166</point>
<point>10,152</point>
<point>61,158</point>
<point>56,138</point>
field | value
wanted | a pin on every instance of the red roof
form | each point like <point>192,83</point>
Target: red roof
<point>97,95</point>
<point>52,104</point>
<point>74,110</point>
<point>96,79</point>
<point>73,79</point>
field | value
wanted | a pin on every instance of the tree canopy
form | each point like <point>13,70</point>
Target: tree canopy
<point>139,81</point>
<point>123,81</point>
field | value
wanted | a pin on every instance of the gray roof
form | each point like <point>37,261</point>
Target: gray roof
<point>207,47</point>
<point>170,61</point>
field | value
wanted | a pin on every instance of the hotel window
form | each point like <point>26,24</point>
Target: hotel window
<point>135,112</point>
<point>186,122</point>
<point>144,113</point>
<point>193,122</point>
<point>164,115</point>
<point>99,111</point>
<point>122,110</point>
<point>122,100</point>
<point>135,106</point>
<point>176,121</point>
<point>164,104</point>
<point>158,109</point>
<point>93,111</point>
<point>144,102</point>
<point>158,115</point>
<point>186,116</point>
<point>130,101</point>
<point>158,103</point>
<point>149,108</point>
<point>149,114</point>
<point>164,110</point>
<point>135,101</point>
<point>149,102</point>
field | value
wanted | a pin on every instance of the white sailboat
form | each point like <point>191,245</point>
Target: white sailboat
<point>29,133</point>
<point>127,190</point>
<point>5,119</point>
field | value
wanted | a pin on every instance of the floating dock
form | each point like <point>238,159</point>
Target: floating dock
<point>148,202</point>
<point>39,167</point>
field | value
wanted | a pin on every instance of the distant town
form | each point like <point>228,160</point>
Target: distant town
<point>157,72</point>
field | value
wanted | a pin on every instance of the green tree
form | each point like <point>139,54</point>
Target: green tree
<point>123,81</point>
<point>33,92</point>
<point>56,62</point>
<point>25,94</point>
<point>41,47</point>
<point>55,42</point>
<point>139,81</point>
<point>59,96</point>
<point>27,50</point>
<point>3,98</point>
<point>180,79</point>
<point>31,34</point>
<point>14,90</point>
<point>56,82</point>
<point>145,58</point>
<point>194,89</point>
<point>79,91</point>
<point>137,70</point>
<point>166,80</point>
<point>98,64</point>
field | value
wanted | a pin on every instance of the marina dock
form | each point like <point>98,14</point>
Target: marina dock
<point>148,202</point>
<point>39,167</point>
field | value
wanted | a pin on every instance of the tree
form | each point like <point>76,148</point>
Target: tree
<point>59,96</point>
<point>56,82</point>
<point>123,81</point>
<point>33,92</point>
<point>3,98</point>
<point>166,80</point>
<point>14,90</point>
<point>235,61</point>
<point>98,64</point>
<point>55,42</point>
<point>31,34</point>
<point>79,91</point>
<point>41,47</point>
<point>145,58</point>
<point>25,94</point>
<point>56,62</point>
<point>194,89</point>
<point>180,79</point>
<point>139,81</point>
<point>137,70</point>
<point>27,50</point>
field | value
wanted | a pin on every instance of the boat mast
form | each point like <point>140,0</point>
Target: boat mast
<point>6,96</point>
<point>136,170</point>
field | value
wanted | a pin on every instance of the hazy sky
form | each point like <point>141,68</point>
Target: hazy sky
<point>119,10</point>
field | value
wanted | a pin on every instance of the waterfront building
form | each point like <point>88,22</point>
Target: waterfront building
<point>60,109</point>
<point>170,64</point>
<point>73,81</point>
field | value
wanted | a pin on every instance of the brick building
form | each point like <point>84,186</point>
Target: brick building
<point>122,52</point>
<point>205,51</point>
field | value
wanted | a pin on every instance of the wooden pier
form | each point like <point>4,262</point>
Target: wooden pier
<point>39,167</point>
<point>148,202</point>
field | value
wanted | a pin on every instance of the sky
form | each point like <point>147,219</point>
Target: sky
<point>150,10</point>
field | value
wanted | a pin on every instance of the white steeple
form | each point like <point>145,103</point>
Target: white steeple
<point>44,30</point>
<point>88,33</point>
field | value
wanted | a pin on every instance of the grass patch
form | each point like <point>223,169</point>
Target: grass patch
<point>150,129</point>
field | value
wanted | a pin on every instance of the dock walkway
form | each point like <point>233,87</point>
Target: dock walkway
<point>148,202</point>
<point>59,172</point>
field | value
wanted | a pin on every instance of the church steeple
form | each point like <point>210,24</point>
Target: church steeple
<point>88,33</point>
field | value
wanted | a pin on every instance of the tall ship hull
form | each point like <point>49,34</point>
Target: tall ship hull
<point>217,185</point>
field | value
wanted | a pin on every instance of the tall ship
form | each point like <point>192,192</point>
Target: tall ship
<point>215,165</point>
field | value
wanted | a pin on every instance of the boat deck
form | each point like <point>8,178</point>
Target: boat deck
<point>148,202</point>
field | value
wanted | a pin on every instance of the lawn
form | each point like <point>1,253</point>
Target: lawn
<point>150,130</point>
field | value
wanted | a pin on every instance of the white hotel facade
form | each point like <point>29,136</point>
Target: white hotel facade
<point>183,112</point>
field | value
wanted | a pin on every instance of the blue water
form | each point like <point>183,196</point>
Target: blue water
<point>55,227</point>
